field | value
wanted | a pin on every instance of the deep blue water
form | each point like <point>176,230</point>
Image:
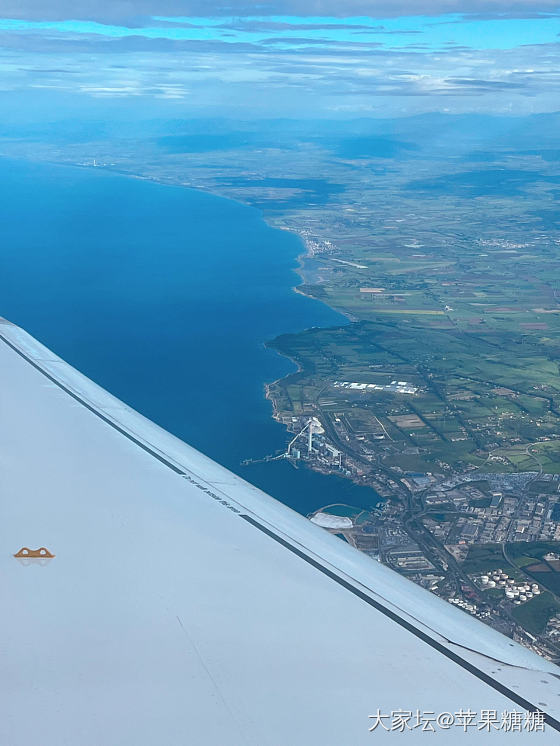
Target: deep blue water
<point>164,296</point>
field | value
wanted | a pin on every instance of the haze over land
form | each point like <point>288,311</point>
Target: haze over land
<point>415,152</point>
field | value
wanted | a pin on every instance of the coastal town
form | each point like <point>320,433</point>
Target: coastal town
<point>280,364</point>
<point>483,542</point>
<point>487,543</point>
<point>441,392</point>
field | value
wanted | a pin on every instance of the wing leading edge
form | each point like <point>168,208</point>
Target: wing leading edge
<point>183,603</point>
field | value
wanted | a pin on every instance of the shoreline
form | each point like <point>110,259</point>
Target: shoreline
<point>298,268</point>
<point>312,263</point>
<point>299,271</point>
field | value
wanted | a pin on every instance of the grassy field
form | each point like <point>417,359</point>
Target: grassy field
<point>484,557</point>
<point>455,295</point>
<point>534,614</point>
<point>482,402</point>
<point>534,550</point>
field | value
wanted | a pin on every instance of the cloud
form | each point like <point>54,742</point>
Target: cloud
<point>487,85</point>
<point>279,67</point>
<point>64,44</point>
<point>390,32</point>
<point>329,44</point>
<point>137,12</point>
<point>253,25</point>
<point>296,40</point>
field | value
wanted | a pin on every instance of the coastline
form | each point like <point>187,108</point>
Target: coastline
<point>203,280</point>
<point>267,386</point>
<point>215,369</point>
<point>304,252</point>
<point>300,259</point>
<point>299,271</point>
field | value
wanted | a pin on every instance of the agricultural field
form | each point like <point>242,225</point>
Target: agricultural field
<point>477,401</point>
<point>445,263</point>
<point>483,558</point>
<point>534,614</point>
<point>452,287</point>
<point>437,237</point>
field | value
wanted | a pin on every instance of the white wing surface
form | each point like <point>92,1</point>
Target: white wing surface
<point>185,606</point>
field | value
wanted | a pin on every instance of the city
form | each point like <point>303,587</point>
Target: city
<point>453,536</point>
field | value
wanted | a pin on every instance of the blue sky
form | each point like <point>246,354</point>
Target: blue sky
<point>488,60</point>
<point>434,32</point>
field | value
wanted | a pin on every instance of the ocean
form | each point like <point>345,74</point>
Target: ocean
<point>166,297</point>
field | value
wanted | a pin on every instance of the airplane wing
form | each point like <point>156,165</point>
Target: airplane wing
<point>185,606</point>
